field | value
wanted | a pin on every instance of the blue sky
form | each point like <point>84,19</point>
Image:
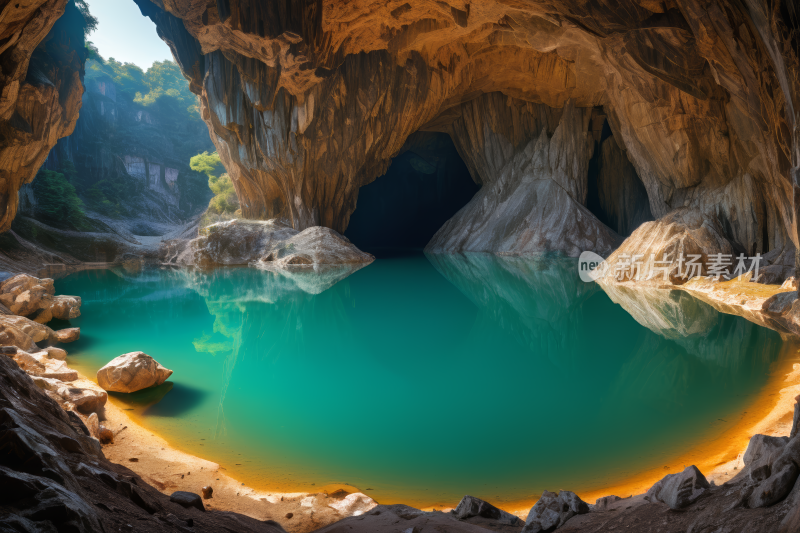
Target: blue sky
<point>124,34</point>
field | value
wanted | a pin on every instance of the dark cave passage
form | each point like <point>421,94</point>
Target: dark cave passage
<point>424,187</point>
<point>616,194</point>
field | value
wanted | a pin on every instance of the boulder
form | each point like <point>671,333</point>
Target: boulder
<point>553,510</point>
<point>65,307</point>
<point>354,504</point>
<point>314,247</point>
<point>40,365</point>
<point>56,353</point>
<point>131,372</point>
<point>35,298</point>
<point>775,488</point>
<point>470,506</point>
<point>67,335</point>
<point>679,490</point>
<point>601,504</point>
<point>187,499</point>
<point>763,448</point>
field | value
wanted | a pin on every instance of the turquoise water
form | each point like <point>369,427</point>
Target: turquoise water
<point>422,378</point>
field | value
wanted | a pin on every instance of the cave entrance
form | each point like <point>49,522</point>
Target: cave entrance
<point>424,187</point>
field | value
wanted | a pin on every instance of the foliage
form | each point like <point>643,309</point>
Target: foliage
<point>57,202</point>
<point>89,21</point>
<point>92,53</point>
<point>225,204</point>
<point>162,87</point>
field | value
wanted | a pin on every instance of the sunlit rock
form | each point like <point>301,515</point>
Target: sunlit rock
<point>131,372</point>
<point>269,244</point>
<point>679,490</point>
<point>308,105</point>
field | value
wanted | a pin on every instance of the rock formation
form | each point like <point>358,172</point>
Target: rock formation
<point>42,58</point>
<point>131,372</point>
<point>271,244</point>
<point>309,102</point>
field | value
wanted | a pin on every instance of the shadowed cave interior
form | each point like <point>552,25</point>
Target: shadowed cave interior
<point>426,184</point>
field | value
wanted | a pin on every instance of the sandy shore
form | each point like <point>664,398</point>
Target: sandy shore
<point>169,469</point>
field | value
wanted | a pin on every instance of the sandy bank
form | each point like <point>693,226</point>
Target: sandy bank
<point>169,469</point>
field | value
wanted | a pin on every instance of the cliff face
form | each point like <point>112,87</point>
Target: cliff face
<point>41,64</point>
<point>308,101</point>
<point>148,148</point>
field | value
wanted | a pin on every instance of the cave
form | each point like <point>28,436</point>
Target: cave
<point>425,185</point>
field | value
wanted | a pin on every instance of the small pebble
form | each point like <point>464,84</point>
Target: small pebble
<point>133,460</point>
<point>289,515</point>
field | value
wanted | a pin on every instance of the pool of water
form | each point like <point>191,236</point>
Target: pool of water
<point>422,378</point>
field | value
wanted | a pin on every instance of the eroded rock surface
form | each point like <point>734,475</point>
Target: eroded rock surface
<point>309,102</point>
<point>40,89</point>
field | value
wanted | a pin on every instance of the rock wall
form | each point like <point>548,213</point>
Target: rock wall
<point>308,102</point>
<point>41,64</point>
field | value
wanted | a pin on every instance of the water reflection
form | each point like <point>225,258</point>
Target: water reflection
<point>398,375</point>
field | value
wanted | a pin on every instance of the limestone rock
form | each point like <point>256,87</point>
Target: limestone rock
<point>534,186</point>
<point>307,105</point>
<point>680,234</point>
<point>314,247</point>
<point>470,506</point>
<point>235,242</point>
<point>131,372</point>
<point>40,90</point>
<point>271,244</point>
<point>68,335</point>
<point>553,510</point>
<point>56,353</point>
<point>355,504</point>
<point>679,490</point>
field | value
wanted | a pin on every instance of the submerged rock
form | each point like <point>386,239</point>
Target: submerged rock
<point>131,372</point>
<point>679,490</point>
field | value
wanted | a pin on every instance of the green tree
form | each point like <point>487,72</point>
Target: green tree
<point>225,203</point>
<point>57,203</point>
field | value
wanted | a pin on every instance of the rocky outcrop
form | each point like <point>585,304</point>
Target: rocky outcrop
<point>269,244</point>
<point>40,89</point>
<point>35,298</point>
<point>54,477</point>
<point>310,102</point>
<point>132,372</point>
<point>533,162</point>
